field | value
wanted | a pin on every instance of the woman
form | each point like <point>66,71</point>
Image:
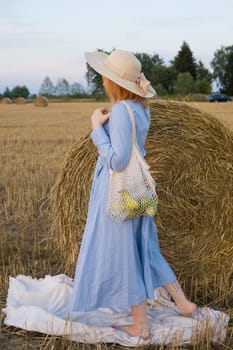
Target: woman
<point>120,264</point>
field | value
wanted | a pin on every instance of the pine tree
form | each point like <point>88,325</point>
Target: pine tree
<point>184,61</point>
<point>7,93</point>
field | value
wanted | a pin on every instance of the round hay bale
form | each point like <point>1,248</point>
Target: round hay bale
<point>41,101</point>
<point>6,101</point>
<point>20,100</point>
<point>191,159</point>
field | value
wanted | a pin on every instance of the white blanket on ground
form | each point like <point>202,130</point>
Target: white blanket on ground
<point>42,305</point>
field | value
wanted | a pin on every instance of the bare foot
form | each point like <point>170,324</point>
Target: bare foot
<point>187,309</point>
<point>135,331</point>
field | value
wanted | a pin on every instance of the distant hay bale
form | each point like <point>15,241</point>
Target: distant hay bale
<point>41,101</point>
<point>191,159</point>
<point>20,100</point>
<point>6,101</point>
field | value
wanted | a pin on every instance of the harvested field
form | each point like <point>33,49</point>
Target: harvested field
<point>223,111</point>
<point>34,142</point>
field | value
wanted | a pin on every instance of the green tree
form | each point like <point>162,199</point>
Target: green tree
<point>184,84</point>
<point>7,93</point>
<point>184,61</point>
<point>20,91</point>
<point>47,87</point>
<point>148,62</point>
<point>229,75</point>
<point>203,73</point>
<point>160,90</point>
<point>202,86</point>
<point>164,76</point>
<point>222,65</point>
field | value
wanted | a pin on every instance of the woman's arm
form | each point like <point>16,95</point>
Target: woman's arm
<point>115,149</point>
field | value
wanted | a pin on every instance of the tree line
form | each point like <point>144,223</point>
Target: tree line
<point>183,75</point>
<point>48,89</point>
<point>62,89</point>
<point>17,91</point>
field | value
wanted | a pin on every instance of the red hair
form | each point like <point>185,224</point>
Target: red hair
<point>117,93</point>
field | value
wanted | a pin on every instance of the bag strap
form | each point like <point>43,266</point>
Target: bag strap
<point>134,140</point>
<point>132,122</point>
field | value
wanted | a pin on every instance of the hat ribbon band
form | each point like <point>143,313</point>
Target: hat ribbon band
<point>140,80</point>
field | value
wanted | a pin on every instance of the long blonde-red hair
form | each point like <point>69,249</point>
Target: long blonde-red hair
<point>117,93</point>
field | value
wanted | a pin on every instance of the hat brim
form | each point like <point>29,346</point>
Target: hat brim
<point>96,61</point>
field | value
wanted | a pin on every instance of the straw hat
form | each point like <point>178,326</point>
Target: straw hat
<point>123,68</point>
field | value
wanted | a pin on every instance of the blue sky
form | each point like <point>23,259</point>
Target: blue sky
<point>49,37</point>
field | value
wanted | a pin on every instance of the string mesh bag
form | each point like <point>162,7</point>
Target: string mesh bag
<point>132,191</point>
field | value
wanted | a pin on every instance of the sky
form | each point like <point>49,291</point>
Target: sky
<point>49,37</point>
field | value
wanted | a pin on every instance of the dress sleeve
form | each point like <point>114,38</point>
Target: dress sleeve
<point>115,148</point>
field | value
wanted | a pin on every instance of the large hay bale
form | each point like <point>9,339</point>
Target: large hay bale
<point>6,101</point>
<point>20,100</point>
<point>191,158</point>
<point>41,101</point>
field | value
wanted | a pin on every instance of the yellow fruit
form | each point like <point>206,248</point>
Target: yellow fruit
<point>150,211</point>
<point>130,203</point>
<point>148,205</point>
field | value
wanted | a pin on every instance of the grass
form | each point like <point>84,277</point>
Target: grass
<point>34,142</point>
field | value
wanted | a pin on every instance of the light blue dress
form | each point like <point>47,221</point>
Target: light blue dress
<point>119,264</point>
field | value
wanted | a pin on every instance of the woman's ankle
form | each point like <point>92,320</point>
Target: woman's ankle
<point>141,325</point>
<point>187,308</point>
<point>139,314</point>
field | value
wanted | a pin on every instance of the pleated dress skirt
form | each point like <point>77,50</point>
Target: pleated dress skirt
<point>119,264</point>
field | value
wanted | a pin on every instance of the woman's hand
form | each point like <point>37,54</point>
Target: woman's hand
<point>99,117</point>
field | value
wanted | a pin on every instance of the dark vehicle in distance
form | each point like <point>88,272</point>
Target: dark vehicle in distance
<point>218,98</point>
